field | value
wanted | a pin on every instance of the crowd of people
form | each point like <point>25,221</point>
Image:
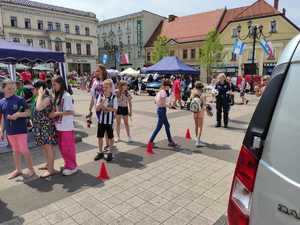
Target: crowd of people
<point>50,110</point>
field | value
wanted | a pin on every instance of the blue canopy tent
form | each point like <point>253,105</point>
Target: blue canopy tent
<point>171,65</point>
<point>12,53</point>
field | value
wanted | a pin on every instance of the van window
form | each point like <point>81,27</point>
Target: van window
<point>282,150</point>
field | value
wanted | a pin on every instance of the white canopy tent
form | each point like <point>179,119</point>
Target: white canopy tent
<point>130,72</point>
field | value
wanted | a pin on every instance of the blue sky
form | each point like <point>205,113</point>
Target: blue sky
<point>106,9</point>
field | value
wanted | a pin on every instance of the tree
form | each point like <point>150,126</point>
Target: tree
<point>161,49</point>
<point>211,51</point>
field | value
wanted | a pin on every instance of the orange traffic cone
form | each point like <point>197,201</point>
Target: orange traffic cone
<point>188,135</point>
<point>103,174</point>
<point>150,148</point>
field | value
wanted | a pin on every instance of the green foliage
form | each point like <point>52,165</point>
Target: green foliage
<point>161,49</point>
<point>211,51</point>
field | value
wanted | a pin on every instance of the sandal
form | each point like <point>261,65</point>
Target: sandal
<point>43,167</point>
<point>29,174</point>
<point>15,174</point>
<point>48,174</point>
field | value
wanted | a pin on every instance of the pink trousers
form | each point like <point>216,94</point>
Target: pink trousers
<point>67,147</point>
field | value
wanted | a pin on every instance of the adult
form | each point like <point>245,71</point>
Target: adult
<point>42,75</point>
<point>243,88</point>
<point>259,90</point>
<point>177,92</point>
<point>43,126</point>
<point>222,100</point>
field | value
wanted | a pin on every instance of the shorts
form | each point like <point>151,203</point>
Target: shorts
<point>105,129</point>
<point>122,111</point>
<point>242,93</point>
<point>18,143</point>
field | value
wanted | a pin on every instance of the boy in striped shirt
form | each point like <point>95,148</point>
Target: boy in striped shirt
<point>106,108</point>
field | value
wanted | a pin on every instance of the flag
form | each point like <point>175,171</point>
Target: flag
<point>124,59</point>
<point>239,47</point>
<point>267,47</point>
<point>104,59</point>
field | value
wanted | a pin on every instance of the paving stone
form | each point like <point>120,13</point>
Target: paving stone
<point>147,195</point>
<point>175,221</point>
<point>148,221</point>
<point>82,217</point>
<point>76,208</point>
<point>99,209</point>
<point>125,195</point>
<point>109,216</point>
<point>199,220</point>
<point>56,217</point>
<point>68,221</point>
<point>123,208</point>
<point>135,202</point>
<point>121,221</point>
<point>185,215</point>
<point>112,201</point>
<point>171,207</point>
<point>211,214</point>
<point>135,216</point>
<point>169,195</point>
<point>158,201</point>
<point>195,207</point>
<point>47,210</point>
<point>41,221</point>
<point>66,203</point>
<point>160,215</point>
<point>31,216</point>
<point>147,208</point>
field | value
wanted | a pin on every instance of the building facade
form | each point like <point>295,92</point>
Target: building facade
<point>276,27</point>
<point>126,35</point>
<point>57,28</point>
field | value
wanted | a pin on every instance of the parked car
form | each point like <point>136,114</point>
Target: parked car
<point>153,87</point>
<point>266,182</point>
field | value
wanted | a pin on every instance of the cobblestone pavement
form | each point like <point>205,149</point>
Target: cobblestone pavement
<point>182,186</point>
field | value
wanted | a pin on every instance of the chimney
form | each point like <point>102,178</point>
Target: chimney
<point>276,4</point>
<point>284,11</point>
<point>171,18</point>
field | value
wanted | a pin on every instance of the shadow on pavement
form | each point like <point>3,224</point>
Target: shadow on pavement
<point>126,159</point>
<point>7,213</point>
<point>68,184</point>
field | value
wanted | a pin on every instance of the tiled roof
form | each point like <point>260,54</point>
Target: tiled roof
<point>188,28</point>
<point>196,27</point>
<point>44,6</point>
<point>257,9</point>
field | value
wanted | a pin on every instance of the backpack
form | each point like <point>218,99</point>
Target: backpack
<point>196,105</point>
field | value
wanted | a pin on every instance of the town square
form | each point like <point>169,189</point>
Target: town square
<point>122,113</point>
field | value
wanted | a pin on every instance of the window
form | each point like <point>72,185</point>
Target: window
<point>148,56</point>
<point>233,57</point>
<point>234,33</point>
<point>193,53</point>
<point>27,23</point>
<point>42,43</point>
<point>40,25</point>
<point>185,54</point>
<point>50,26</point>
<point>87,31</point>
<point>58,45</point>
<point>129,56</point>
<point>17,40</point>
<point>67,28</point>
<point>250,56</point>
<point>88,49</point>
<point>78,49</point>
<point>58,27</point>
<point>13,21</point>
<point>77,30</point>
<point>128,39</point>
<point>273,26</point>
<point>69,48</point>
<point>29,42</point>
<point>172,52</point>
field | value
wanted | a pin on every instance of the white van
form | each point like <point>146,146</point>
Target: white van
<point>266,183</point>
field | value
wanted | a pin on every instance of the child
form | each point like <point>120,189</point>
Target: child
<point>198,107</point>
<point>106,108</point>
<point>64,123</point>
<point>161,102</point>
<point>15,111</point>
<point>124,108</point>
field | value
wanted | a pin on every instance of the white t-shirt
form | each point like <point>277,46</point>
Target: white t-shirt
<point>65,123</point>
<point>97,89</point>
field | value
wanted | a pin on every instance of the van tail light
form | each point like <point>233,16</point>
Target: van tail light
<point>242,188</point>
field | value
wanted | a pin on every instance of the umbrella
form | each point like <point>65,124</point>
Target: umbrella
<point>130,72</point>
<point>112,72</point>
<point>42,67</point>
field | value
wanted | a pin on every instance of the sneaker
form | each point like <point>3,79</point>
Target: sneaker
<point>172,144</point>
<point>100,155</point>
<point>117,140</point>
<point>226,126</point>
<point>129,139</point>
<point>109,157</point>
<point>68,172</point>
<point>200,144</point>
<point>218,125</point>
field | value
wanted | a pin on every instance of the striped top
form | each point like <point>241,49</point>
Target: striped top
<point>110,102</point>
